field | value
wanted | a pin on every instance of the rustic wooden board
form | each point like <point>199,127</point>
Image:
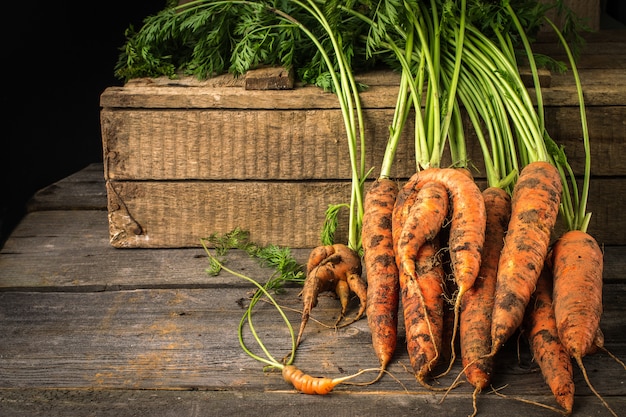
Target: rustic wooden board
<point>83,190</point>
<point>307,144</point>
<point>561,92</point>
<point>70,251</point>
<point>174,214</point>
<point>122,403</point>
<point>43,254</point>
<point>186,340</point>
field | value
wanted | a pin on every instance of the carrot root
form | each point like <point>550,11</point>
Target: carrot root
<point>380,268</point>
<point>534,209</point>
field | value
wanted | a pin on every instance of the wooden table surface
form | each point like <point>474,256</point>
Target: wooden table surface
<point>87,329</point>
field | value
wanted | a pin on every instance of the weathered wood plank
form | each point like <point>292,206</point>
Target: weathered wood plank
<point>83,190</point>
<point>123,403</point>
<point>70,251</point>
<point>186,340</point>
<point>307,144</point>
<point>41,255</point>
<point>168,96</point>
<point>282,213</point>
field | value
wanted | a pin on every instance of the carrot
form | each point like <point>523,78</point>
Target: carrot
<point>332,268</point>
<point>466,231</point>
<point>306,383</point>
<point>534,210</point>
<point>422,301</point>
<point>547,350</point>
<point>313,385</point>
<point>477,304</point>
<point>577,268</point>
<point>577,265</point>
<point>380,268</point>
<point>467,226</point>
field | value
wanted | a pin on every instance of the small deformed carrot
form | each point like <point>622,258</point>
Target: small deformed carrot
<point>546,348</point>
<point>332,268</point>
<point>314,385</point>
<point>477,304</point>
<point>534,209</point>
<point>380,268</point>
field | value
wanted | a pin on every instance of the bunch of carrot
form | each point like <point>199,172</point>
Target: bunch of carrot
<point>509,274</point>
<point>500,243</point>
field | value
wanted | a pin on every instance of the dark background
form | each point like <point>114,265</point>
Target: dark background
<point>57,58</point>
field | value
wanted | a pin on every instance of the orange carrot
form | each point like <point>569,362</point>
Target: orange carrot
<point>308,384</point>
<point>380,268</point>
<point>332,268</point>
<point>547,350</point>
<point>477,304</point>
<point>534,209</point>
<point>466,231</point>
<point>422,302</point>
<point>467,227</point>
<point>577,267</point>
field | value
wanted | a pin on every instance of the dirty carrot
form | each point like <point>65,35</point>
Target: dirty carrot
<point>332,268</point>
<point>577,267</point>
<point>466,229</point>
<point>547,349</point>
<point>467,220</point>
<point>381,270</point>
<point>422,301</point>
<point>477,304</point>
<point>534,210</point>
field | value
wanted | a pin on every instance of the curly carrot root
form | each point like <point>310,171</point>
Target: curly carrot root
<point>468,219</point>
<point>466,231</point>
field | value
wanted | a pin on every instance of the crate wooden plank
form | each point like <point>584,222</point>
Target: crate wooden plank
<point>307,144</point>
<point>239,144</point>
<point>282,213</point>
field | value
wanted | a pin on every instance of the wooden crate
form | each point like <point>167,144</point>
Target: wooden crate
<point>185,158</point>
